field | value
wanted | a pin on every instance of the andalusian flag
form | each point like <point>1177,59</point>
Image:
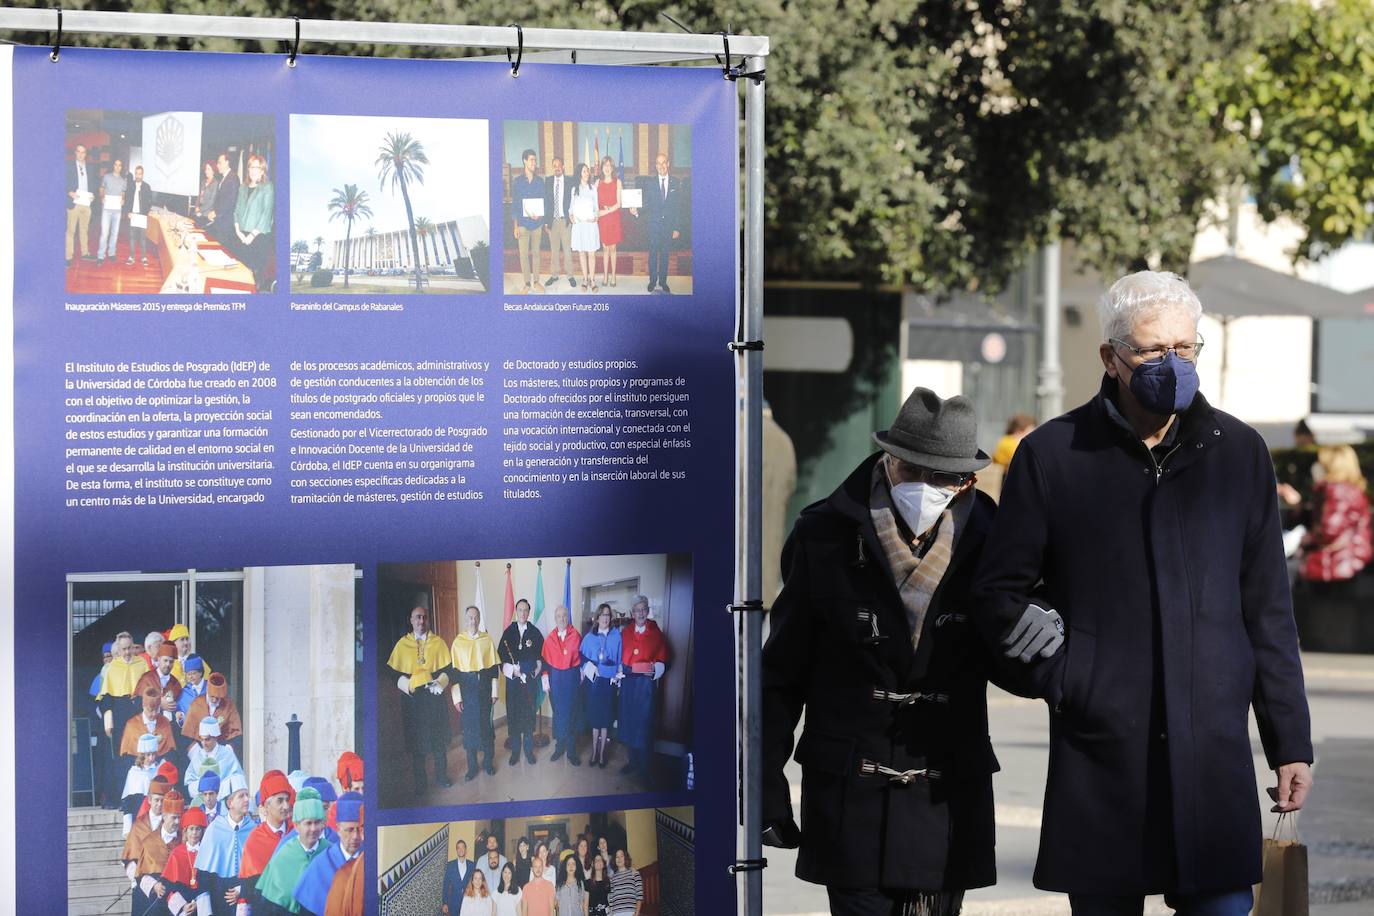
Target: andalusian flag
<point>479,601</point>
<point>621,176</point>
<point>510,599</point>
<point>538,593</point>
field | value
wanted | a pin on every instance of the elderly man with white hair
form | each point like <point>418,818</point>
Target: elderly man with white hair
<point>1147,520</point>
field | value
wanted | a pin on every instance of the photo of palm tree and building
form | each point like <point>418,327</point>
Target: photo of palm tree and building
<point>383,205</point>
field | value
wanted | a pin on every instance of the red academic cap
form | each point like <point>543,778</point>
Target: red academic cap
<point>350,768</point>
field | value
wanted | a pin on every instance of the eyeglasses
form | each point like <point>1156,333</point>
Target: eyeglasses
<point>1153,356</point>
<point>905,472</point>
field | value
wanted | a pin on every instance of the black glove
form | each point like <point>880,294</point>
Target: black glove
<point>782,834</point>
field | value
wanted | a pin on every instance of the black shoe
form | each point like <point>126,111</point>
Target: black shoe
<point>572,283</point>
<point>529,757</point>
<point>664,287</point>
<point>515,756</point>
<point>470,775</point>
<point>651,287</point>
<point>573,759</point>
<point>490,770</point>
<point>88,257</point>
<point>444,782</point>
<point>557,752</point>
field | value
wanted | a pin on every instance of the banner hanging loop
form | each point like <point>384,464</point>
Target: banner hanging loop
<point>295,46</point>
<point>57,42</point>
<point>729,73</point>
<point>519,50</point>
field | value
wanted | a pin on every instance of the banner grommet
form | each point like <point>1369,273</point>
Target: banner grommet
<point>57,42</point>
<point>295,46</point>
<point>519,50</point>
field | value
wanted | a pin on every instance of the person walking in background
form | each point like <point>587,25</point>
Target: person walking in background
<point>525,189</point>
<point>113,187</point>
<point>601,652</point>
<point>1017,429</point>
<point>1338,546</point>
<point>608,220</point>
<point>1146,523</point>
<point>557,217</point>
<point>586,237</point>
<point>81,190</point>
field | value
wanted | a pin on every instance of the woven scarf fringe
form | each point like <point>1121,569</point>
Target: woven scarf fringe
<point>932,903</point>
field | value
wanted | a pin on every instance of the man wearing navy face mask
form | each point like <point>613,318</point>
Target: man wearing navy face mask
<point>871,637</point>
<point>1147,519</point>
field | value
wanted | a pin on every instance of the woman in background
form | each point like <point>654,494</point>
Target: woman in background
<point>571,897</point>
<point>598,888</point>
<point>586,238</point>
<point>608,219</point>
<point>627,887</point>
<point>522,863</point>
<point>206,201</point>
<point>1338,545</point>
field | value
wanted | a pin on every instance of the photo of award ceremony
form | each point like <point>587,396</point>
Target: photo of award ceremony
<point>387,206</point>
<point>216,744</point>
<point>601,863</point>
<point>170,202</point>
<point>515,679</point>
<point>597,207</point>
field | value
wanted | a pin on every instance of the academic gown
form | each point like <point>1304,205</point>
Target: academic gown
<point>136,728</point>
<point>152,858</point>
<point>346,893</point>
<point>475,666</point>
<point>153,679</point>
<point>312,890</point>
<point>221,856</point>
<point>602,650</point>
<point>638,688</point>
<point>181,875</point>
<point>262,844</point>
<point>231,775</point>
<point>277,884</point>
<point>424,715</point>
<point>526,651</point>
<point>230,723</point>
<point>562,654</point>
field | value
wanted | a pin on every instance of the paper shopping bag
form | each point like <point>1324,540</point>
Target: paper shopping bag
<point>1282,890</point>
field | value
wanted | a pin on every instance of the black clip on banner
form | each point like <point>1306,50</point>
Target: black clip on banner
<point>739,346</point>
<point>753,604</point>
<point>734,73</point>
<point>57,44</point>
<point>747,865</point>
<point>295,46</point>
<point>519,50</point>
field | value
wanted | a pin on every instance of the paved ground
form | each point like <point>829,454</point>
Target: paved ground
<point>1337,824</point>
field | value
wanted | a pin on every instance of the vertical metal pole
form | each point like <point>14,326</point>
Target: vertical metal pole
<point>749,516</point>
<point>1051,387</point>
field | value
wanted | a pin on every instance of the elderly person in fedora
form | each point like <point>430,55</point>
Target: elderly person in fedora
<point>1147,519</point>
<point>870,635</point>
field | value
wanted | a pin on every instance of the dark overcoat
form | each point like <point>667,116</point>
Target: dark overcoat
<point>1169,573</point>
<point>838,633</point>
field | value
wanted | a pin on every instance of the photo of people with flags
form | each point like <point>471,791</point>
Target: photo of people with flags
<point>597,207</point>
<point>577,669</point>
<point>214,764</point>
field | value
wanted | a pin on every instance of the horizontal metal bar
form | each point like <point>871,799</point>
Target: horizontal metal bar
<point>621,58</point>
<point>326,31</point>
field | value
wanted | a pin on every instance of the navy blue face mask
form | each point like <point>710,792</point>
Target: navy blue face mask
<point>1167,387</point>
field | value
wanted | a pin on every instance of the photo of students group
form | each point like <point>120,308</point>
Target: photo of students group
<point>583,691</point>
<point>169,202</point>
<point>602,208</point>
<point>609,863</point>
<point>203,771</point>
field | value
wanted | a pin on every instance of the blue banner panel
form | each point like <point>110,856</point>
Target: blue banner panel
<point>311,361</point>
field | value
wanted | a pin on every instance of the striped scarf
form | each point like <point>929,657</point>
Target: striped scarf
<point>917,577</point>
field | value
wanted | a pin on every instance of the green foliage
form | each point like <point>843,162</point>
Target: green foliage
<point>1309,95</point>
<point>935,143</point>
<point>322,278</point>
<point>481,262</point>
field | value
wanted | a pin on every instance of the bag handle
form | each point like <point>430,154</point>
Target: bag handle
<point>1291,819</point>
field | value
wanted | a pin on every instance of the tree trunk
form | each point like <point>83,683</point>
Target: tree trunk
<point>348,253</point>
<point>414,243</point>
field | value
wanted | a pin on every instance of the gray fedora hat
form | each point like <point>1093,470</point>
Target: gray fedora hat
<point>938,434</point>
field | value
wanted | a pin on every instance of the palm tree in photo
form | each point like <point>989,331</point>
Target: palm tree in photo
<point>348,204</point>
<point>425,229</point>
<point>299,249</point>
<point>401,158</point>
<point>371,236</point>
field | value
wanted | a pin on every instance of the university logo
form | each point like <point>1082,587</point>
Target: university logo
<point>171,140</point>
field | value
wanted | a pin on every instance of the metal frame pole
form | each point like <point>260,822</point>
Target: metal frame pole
<point>1051,388</point>
<point>749,516</point>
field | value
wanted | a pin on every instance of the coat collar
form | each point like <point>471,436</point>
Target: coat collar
<point>1199,427</point>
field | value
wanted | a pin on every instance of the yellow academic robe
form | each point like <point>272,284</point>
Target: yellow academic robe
<point>405,659</point>
<point>473,653</point>
<point>121,677</point>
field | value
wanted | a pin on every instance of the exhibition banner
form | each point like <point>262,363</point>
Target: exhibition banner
<point>372,469</point>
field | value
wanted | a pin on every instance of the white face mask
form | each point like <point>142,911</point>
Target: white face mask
<point>920,504</point>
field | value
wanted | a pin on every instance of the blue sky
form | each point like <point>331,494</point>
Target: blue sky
<point>328,151</point>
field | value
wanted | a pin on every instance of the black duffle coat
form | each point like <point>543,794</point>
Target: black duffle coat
<point>1168,570</point>
<point>838,633</point>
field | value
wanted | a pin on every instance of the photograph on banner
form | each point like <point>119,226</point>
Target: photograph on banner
<point>170,202</point>
<point>206,706</point>
<point>639,861</point>
<point>597,207</point>
<point>387,205</point>
<point>533,678</point>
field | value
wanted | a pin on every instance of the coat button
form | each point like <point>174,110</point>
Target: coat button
<point>1199,445</point>
<point>1216,432</point>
